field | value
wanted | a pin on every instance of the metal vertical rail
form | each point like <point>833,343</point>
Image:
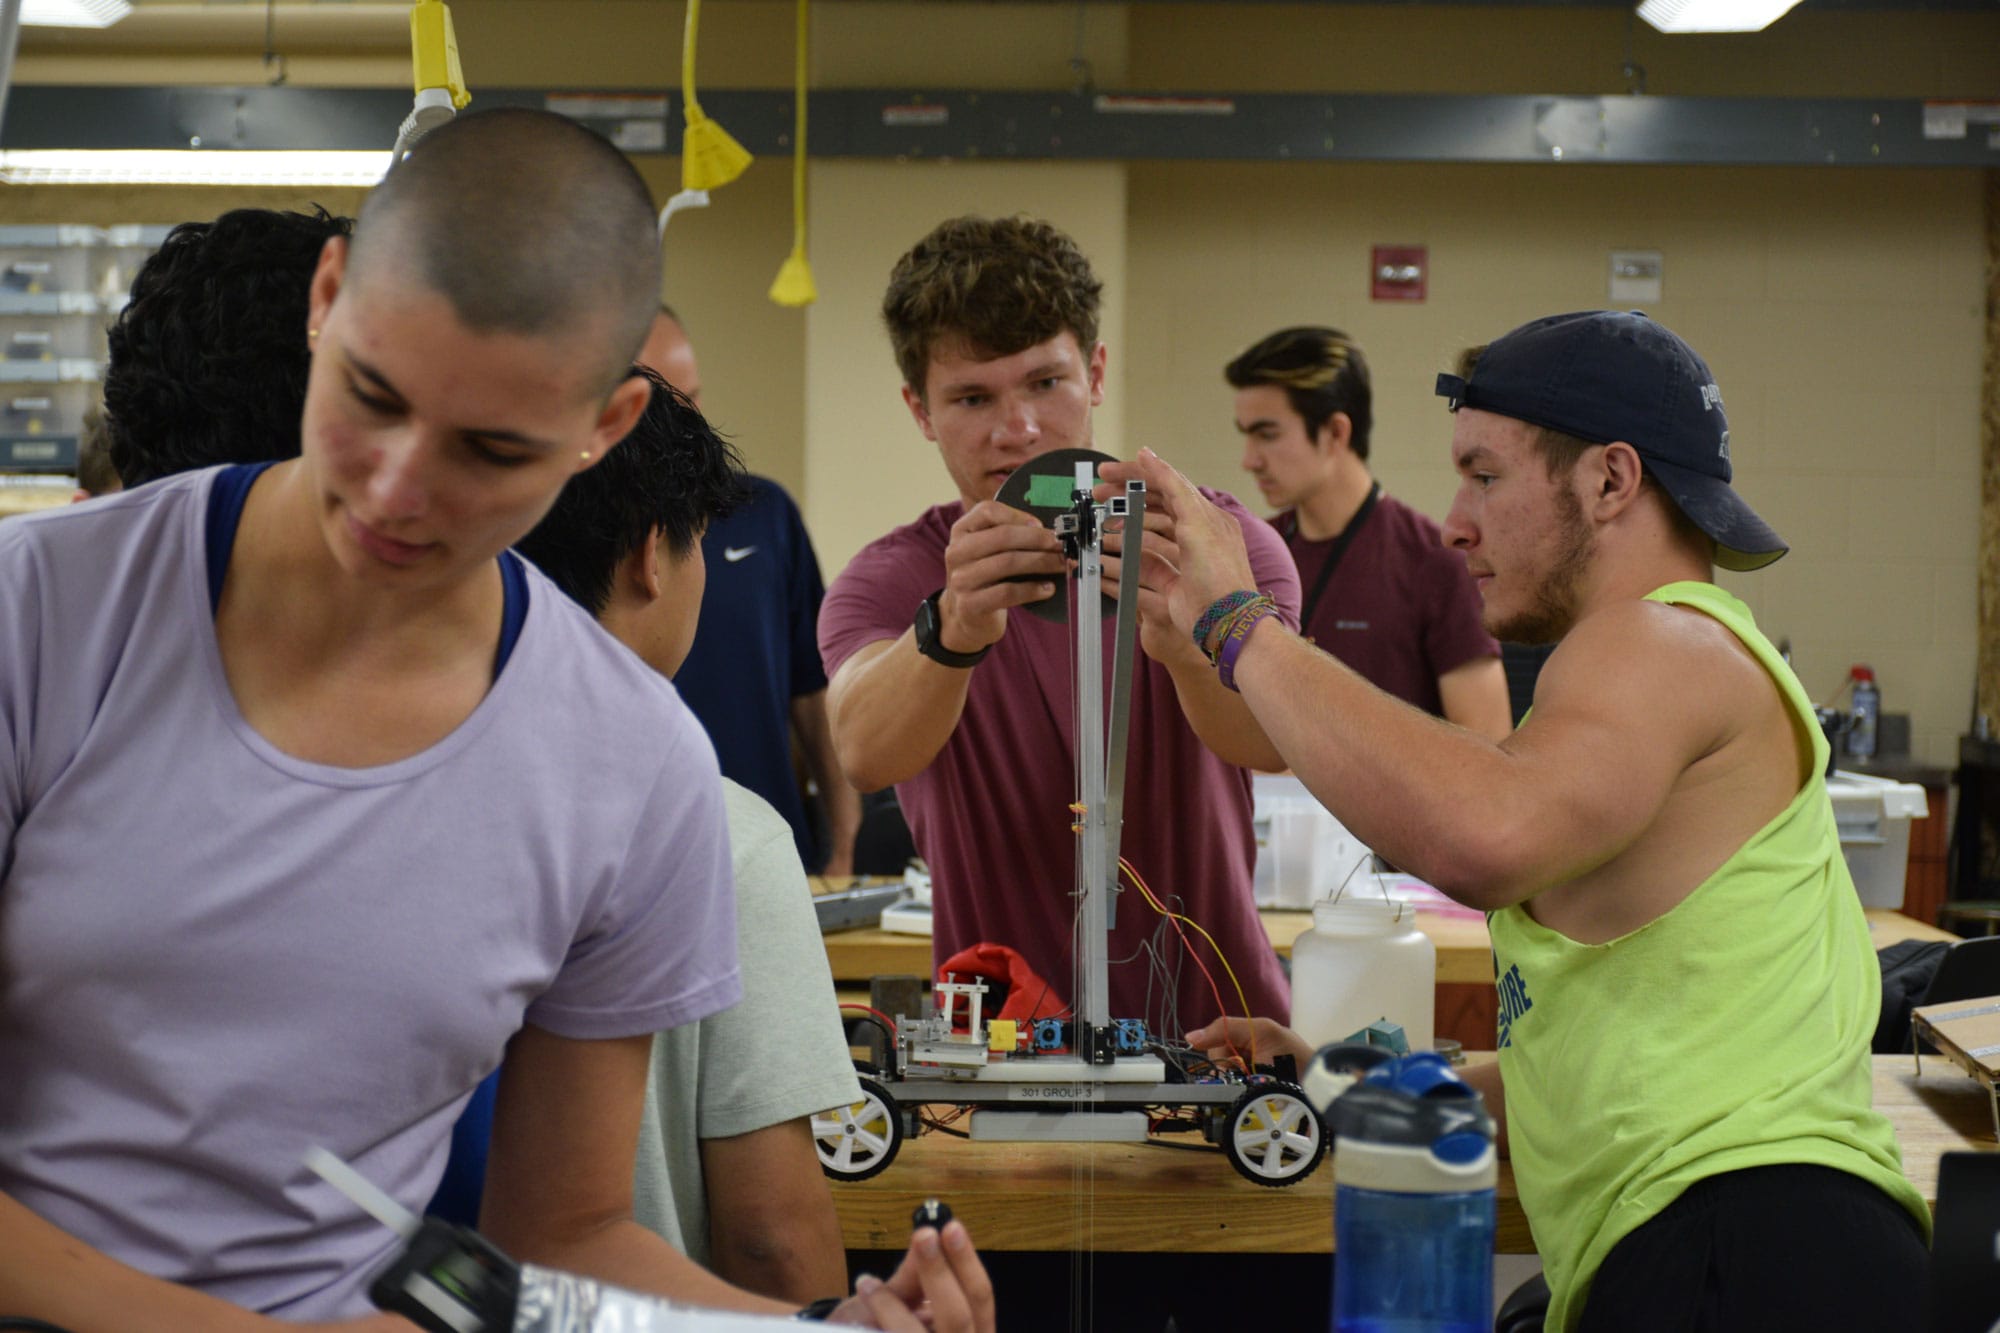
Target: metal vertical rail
<point>1124,649</point>
<point>1093,1001</point>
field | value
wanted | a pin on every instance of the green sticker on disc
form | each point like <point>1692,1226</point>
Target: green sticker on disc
<point>1051,490</point>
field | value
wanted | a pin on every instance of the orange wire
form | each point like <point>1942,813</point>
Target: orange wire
<point>1176,919</point>
<point>1220,956</point>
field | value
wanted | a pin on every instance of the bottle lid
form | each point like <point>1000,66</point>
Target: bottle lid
<point>1414,1100</point>
<point>1859,672</point>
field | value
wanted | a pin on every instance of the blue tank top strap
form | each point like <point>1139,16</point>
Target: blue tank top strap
<point>514,607</point>
<point>225,514</point>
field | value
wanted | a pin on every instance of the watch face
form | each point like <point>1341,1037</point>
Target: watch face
<point>928,642</point>
<point>1046,488</point>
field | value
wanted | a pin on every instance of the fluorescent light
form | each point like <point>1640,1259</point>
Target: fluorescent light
<point>73,13</point>
<point>1714,15</point>
<point>171,166</point>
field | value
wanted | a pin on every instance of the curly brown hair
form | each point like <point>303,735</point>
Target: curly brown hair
<point>995,286</point>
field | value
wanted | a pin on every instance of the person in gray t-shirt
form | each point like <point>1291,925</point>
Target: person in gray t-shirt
<point>727,1168</point>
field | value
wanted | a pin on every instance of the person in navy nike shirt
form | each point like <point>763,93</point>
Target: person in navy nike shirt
<point>754,676</point>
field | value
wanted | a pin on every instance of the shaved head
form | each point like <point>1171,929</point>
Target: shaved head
<point>526,223</point>
<point>670,355</point>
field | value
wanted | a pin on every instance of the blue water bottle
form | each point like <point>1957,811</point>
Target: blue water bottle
<point>1414,1168</point>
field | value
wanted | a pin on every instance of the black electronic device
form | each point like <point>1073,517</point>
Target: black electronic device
<point>450,1279</point>
<point>1964,1295</point>
<point>931,1213</point>
<point>929,626</point>
<point>1045,486</point>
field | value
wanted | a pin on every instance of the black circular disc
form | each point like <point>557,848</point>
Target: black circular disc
<point>1045,487</point>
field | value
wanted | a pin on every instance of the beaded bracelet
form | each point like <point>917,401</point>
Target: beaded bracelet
<point>1233,641</point>
<point>1228,622</point>
<point>1213,617</point>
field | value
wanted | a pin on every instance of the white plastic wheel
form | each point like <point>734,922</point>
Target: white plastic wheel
<point>1274,1137</point>
<point>855,1142</point>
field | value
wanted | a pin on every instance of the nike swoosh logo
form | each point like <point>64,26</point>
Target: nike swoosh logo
<point>734,553</point>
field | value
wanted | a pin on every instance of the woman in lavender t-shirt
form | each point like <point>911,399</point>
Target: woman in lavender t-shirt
<point>313,802</point>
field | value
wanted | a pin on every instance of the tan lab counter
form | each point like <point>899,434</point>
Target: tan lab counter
<point>1466,1008</point>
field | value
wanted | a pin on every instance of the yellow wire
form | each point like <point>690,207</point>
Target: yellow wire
<point>1146,892</point>
<point>1221,957</point>
<point>688,35</point>
<point>799,146</point>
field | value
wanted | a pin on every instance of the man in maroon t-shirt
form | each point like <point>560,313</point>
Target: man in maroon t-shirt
<point>942,684</point>
<point>1401,611</point>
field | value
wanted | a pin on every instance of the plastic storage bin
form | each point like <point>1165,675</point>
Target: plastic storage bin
<point>50,337</point>
<point>26,271</point>
<point>1873,815</point>
<point>1303,852</point>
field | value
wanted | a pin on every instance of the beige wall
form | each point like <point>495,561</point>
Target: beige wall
<point>1841,311</point>
<point>1840,307</point>
<point>717,264</point>
<point>887,43</point>
<point>868,467</point>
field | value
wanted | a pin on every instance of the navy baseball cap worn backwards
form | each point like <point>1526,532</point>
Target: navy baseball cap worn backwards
<point>1609,375</point>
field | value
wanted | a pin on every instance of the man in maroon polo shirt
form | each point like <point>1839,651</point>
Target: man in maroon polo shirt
<point>1383,594</point>
<point>943,685</point>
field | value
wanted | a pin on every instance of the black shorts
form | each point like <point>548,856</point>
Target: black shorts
<point>1771,1249</point>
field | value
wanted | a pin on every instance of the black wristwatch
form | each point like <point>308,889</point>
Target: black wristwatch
<point>820,1308</point>
<point>927,637</point>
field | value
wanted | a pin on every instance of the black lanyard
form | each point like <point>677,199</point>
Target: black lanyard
<point>1340,545</point>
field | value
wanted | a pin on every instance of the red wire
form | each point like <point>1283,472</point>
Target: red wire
<point>1188,949</point>
<point>887,1021</point>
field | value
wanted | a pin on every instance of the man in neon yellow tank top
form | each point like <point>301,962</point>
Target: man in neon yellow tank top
<point>1687,986</point>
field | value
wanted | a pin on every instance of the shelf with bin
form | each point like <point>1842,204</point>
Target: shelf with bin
<point>59,287</point>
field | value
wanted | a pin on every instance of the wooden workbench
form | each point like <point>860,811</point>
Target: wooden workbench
<point>1144,1198</point>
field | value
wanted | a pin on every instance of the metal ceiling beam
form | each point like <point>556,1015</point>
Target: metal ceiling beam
<point>10,40</point>
<point>224,8</point>
<point>1015,126</point>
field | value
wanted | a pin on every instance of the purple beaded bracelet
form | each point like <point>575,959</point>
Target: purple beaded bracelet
<point>1233,641</point>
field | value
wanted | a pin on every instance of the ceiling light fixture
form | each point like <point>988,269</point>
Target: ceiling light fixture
<point>1679,16</point>
<point>73,13</point>
<point>169,166</point>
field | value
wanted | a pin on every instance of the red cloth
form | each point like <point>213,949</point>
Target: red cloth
<point>1028,996</point>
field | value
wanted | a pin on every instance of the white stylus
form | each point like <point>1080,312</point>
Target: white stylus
<point>363,1193</point>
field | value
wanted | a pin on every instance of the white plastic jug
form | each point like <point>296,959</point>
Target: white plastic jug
<point>1363,961</point>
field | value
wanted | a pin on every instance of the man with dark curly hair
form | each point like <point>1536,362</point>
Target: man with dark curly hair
<point>219,305</point>
<point>944,685</point>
